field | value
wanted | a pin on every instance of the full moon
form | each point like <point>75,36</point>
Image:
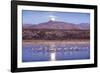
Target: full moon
<point>52,17</point>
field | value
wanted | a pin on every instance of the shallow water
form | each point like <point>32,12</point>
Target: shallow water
<point>38,52</point>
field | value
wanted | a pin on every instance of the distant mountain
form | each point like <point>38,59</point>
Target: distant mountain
<point>84,26</point>
<point>57,25</point>
<point>27,25</point>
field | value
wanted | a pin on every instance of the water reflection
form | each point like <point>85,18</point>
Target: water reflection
<point>42,52</point>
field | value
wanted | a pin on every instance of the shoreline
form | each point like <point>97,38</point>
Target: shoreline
<point>55,42</point>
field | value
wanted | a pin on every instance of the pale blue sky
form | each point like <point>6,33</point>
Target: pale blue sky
<point>36,17</point>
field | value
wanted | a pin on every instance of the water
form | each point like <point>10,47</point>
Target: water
<point>34,53</point>
<point>73,52</point>
<point>37,52</point>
